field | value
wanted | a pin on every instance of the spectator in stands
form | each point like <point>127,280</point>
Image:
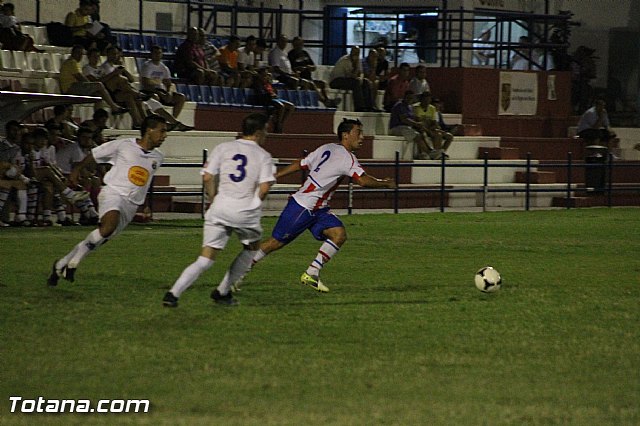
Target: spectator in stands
<point>97,124</point>
<point>303,65</point>
<point>156,79</point>
<point>593,126</point>
<point>347,75</point>
<point>397,86</point>
<point>190,61</point>
<point>73,82</point>
<point>11,37</point>
<point>247,54</point>
<point>11,176</point>
<point>211,55</point>
<point>369,68</point>
<point>265,95</point>
<point>229,61</point>
<point>63,117</point>
<point>403,122</point>
<point>455,129</point>
<point>419,84</point>
<point>118,82</point>
<point>280,64</point>
<point>382,69</point>
<point>427,115</point>
<point>483,52</point>
<point>521,58</point>
<point>85,33</point>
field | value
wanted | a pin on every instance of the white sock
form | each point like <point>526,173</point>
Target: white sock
<point>190,274</point>
<point>84,247</point>
<point>258,257</point>
<point>240,266</point>
<point>328,249</point>
<point>21,194</point>
<point>68,193</point>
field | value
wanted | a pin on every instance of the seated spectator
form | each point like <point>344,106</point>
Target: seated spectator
<point>303,65</point>
<point>83,28</point>
<point>118,82</point>
<point>229,61</point>
<point>97,124</point>
<point>419,84</point>
<point>397,86</point>
<point>454,129</point>
<point>382,69</point>
<point>280,64</point>
<point>73,82</point>
<point>190,61</point>
<point>347,75</point>
<point>265,95</point>
<point>63,117</point>
<point>369,71</point>
<point>403,122</point>
<point>247,55</point>
<point>12,177</point>
<point>593,126</point>
<point>483,52</point>
<point>427,115</point>
<point>156,79</point>
<point>521,58</point>
<point>11,37</point>
<point>211,55</point>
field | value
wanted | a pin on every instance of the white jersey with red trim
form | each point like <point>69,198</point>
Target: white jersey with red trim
<point>133,167</point>
<point>327,165</point>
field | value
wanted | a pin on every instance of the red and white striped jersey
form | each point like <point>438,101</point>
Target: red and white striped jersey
<point>327,166</point>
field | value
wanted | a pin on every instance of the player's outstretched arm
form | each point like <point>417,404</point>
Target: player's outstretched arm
<point>88,163</point>
<point>291,168</point>
<point>373,182</point>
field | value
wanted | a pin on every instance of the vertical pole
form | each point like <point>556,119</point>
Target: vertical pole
<point>38,11</point>
<point>528,183</point>
<point>569,178</point>
<point>442,177</point>
<point>140,17</point>
<point>396,190</point>
<point>151,194</point>
<point>350,197</point>
<point>485,180</point>
<point>610,180</point>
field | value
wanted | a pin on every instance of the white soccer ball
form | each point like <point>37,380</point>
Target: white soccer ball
<point>488,280</point>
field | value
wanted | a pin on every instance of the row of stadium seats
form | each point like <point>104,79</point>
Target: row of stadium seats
<point>245,98</point>
<point>37,33</point>
<point>136,43</point>
<point>30,62</point>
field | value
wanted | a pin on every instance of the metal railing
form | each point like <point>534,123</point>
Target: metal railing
<point>443,189</point>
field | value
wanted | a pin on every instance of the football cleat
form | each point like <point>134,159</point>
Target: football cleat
<point>69,274</point>
<point>227,299</point>
<point>169,300</point>
<point>52,281</point>
<point>314,282</point>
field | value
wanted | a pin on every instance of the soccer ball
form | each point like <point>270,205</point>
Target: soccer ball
<point>488,280</point>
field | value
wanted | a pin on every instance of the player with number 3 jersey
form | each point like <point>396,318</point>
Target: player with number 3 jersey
<point>308,208</point>
<point>237,177</point>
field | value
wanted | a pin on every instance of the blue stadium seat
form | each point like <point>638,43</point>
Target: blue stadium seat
<point>282,94</point>
<point>136,43</point>
<point>296,98</point>
<point>172,44</point>
<point>196,93</point>
<point>148,41</point>
<point>123,41</point>
<point>249,96</point>
<point>240,97</point>
<point>216,95</point>
<point>229,100</point>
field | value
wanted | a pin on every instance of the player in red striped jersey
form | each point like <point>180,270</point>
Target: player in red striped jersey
<point>308,208</point>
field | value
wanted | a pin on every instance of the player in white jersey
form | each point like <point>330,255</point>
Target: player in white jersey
<point>239,175</point>
<point>309,207</point>
<point>134,162</point>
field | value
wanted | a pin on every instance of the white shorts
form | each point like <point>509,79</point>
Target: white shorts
<point>109,200</point>
<point>216,234</point>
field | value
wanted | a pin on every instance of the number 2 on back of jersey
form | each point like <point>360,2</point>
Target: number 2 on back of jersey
<point>325,157</point>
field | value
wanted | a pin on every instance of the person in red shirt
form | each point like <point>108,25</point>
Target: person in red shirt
<point>397,86</point>
<point>190,62</point>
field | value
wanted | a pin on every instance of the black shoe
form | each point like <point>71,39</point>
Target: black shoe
<point>169,300</point>
<point>67,222</point>
<point>85,221</point>
<point>227,299</point>
<point>52,281</point>
<point>69,274</point>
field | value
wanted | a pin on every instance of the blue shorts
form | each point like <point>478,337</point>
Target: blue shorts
<point>295,219</point>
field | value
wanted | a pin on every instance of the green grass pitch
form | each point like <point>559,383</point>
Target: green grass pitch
<point>403,338</point>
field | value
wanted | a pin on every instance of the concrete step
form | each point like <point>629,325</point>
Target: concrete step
<point>536,177</point>
<point>498,153</point>
<point>466,171</point>
<point>462,147</point>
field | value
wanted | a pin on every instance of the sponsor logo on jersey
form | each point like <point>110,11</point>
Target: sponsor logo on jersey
<point>138,175</point>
